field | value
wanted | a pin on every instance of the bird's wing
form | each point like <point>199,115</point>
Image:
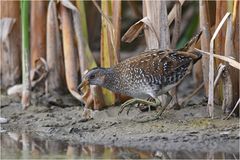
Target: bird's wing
<point>141,61</point>
<point>171,62</point>
<point>157,67</point>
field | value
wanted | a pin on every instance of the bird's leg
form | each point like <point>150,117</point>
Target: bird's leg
<point>168,100</point>
<point>144,108</point>
<point>174,103</point>
<point>150,99</point>
<point>137,100</point>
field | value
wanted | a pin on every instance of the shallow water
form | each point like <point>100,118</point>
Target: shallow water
<point>27,146</point>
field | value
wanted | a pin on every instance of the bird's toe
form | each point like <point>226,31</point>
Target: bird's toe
<point>145,108</point>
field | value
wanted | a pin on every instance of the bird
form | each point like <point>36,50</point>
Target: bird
<point>149,74</point>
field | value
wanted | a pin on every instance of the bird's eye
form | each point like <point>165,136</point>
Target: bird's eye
<point>92,76</point>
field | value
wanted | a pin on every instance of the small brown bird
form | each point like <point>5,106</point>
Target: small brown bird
<point>149,74</point>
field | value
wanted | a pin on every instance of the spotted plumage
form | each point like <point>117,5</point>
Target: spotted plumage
<point>148,74</point>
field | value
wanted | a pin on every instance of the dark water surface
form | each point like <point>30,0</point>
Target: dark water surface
<point>25,146</point>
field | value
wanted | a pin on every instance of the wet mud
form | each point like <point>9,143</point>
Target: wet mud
<point>60,118</point>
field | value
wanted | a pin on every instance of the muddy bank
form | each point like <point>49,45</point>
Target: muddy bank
<point>185,129</point>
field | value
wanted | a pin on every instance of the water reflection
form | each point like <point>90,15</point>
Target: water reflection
<point>24,146</point>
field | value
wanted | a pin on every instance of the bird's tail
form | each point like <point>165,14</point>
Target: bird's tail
<point>189,47</point>
<point>190,44</point>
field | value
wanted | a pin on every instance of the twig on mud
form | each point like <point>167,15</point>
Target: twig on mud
<point>232,110</point>
<point>220,71</point>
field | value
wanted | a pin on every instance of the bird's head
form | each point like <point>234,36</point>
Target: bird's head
<point>95,76</point>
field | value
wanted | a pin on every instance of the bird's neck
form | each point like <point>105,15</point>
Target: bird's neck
<point>111,79</point>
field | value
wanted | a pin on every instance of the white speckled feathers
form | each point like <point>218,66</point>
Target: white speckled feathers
<point>152,71</point>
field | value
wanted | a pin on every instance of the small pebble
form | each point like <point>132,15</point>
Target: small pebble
<point>85,128</point>
<point>193,132</point>
<point>3,120</point>
<point>83,120</point>
<point>225,133</point>
<point>2,130</point>
<point>96,126</point>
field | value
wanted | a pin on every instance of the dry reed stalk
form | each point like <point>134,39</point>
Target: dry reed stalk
<point>172,13</point>
<point>56,78</point>
<point>108,50</point>
<point>227,104</point>
<point>230,80</point>
<point>209,8</point>
<point>236,41</point>
<point>156,11</point>
<point>70,56</point>
<point>197,68</point>
<point>177,23</point>
<point>108,9</point>
<point>235,11</point>
<point>94,98</point>
<point>81,30</point>
<point>229,60</point>
<point>221,9</point>
<point>116,20</point>
<point>176,33</point>
<point>10,43</point>
<point>38,30</point>
<point>211,68</point>
<point>205,41</point>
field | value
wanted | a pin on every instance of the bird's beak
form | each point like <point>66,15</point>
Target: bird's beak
<point>84,83</point>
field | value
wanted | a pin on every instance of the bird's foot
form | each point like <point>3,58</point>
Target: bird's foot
<point>147,108</point>
<point>134,101</point>
<point>124,105</point>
